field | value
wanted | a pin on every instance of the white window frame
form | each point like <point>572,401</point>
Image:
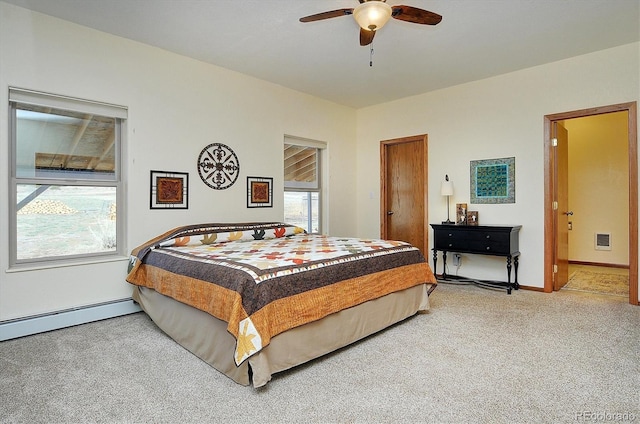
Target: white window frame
<point>120,113</point>
<point>310,187</point>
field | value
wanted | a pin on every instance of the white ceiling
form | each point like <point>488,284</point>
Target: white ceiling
<point>263,38</point>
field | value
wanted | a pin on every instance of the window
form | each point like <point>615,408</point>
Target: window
<point>302,187</point>
<point>66,185</point>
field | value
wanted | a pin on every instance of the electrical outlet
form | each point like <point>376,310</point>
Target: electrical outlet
<point>456,259</point>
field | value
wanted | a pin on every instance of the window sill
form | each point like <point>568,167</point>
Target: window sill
<point>67,263</point>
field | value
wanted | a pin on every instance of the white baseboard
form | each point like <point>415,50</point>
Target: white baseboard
<point>39,324</point>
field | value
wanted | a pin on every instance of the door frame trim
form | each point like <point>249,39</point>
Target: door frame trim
<point>383,185</point>
<point>550,191</point>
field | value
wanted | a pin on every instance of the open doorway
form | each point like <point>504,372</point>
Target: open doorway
<point>558,214</point>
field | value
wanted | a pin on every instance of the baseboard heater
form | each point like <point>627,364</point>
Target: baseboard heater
<point>27,326</point>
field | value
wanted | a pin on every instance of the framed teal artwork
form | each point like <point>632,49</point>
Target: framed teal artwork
<point>493,180</point>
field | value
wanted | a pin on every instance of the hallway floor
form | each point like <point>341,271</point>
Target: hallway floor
<point>598,279</point>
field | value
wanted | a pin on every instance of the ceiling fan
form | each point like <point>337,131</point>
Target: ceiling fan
<point>371,15</point>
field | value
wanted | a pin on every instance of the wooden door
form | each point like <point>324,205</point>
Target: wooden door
<point>562,213</point>
<point>403,205</point>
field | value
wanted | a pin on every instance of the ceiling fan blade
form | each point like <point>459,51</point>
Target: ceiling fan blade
<point>327,15</point>
<point>415,15</point>
<point>366,37</point>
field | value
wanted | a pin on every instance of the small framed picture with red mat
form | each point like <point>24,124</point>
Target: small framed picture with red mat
<point>259,192</point>
<point>169,190</point>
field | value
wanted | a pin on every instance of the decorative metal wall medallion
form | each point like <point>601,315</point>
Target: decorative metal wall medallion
<point>218,166</point>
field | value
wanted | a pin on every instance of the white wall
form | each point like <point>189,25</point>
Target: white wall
<point>177,106</point>
<point>493,118</point>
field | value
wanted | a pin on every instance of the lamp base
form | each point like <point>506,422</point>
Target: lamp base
<point>448,222</point>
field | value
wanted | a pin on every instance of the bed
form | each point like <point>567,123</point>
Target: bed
<point>254,299</point>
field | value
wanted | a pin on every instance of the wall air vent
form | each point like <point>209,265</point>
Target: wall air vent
<point>603,241</point>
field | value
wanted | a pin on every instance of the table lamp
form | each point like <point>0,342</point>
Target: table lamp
<point>446,189</point>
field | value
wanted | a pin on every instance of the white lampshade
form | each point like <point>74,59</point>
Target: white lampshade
<point>446,189</point>
<point>372,15</point>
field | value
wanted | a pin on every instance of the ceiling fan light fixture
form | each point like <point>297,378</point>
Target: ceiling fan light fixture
<point>372,15</point>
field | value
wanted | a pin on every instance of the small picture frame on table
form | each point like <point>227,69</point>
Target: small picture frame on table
<point>259,192</point>
<point>461,214</point>
<point>169,190</point>
<point>472,218</point>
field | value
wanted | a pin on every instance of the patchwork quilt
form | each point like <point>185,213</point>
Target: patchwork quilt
<point>265,278</point>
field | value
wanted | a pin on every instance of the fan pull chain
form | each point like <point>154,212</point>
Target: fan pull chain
<point>371,55</point>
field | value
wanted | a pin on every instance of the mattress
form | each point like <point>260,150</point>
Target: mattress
<point>207,337</point>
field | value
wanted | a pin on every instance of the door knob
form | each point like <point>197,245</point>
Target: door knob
<point>389,212</point>
<point>569,213</point>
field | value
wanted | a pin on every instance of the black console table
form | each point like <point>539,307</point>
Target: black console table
<point>495,240</point>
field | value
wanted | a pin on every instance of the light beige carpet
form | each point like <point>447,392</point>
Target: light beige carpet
<point>597,282</point>
<point>479,356</point>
